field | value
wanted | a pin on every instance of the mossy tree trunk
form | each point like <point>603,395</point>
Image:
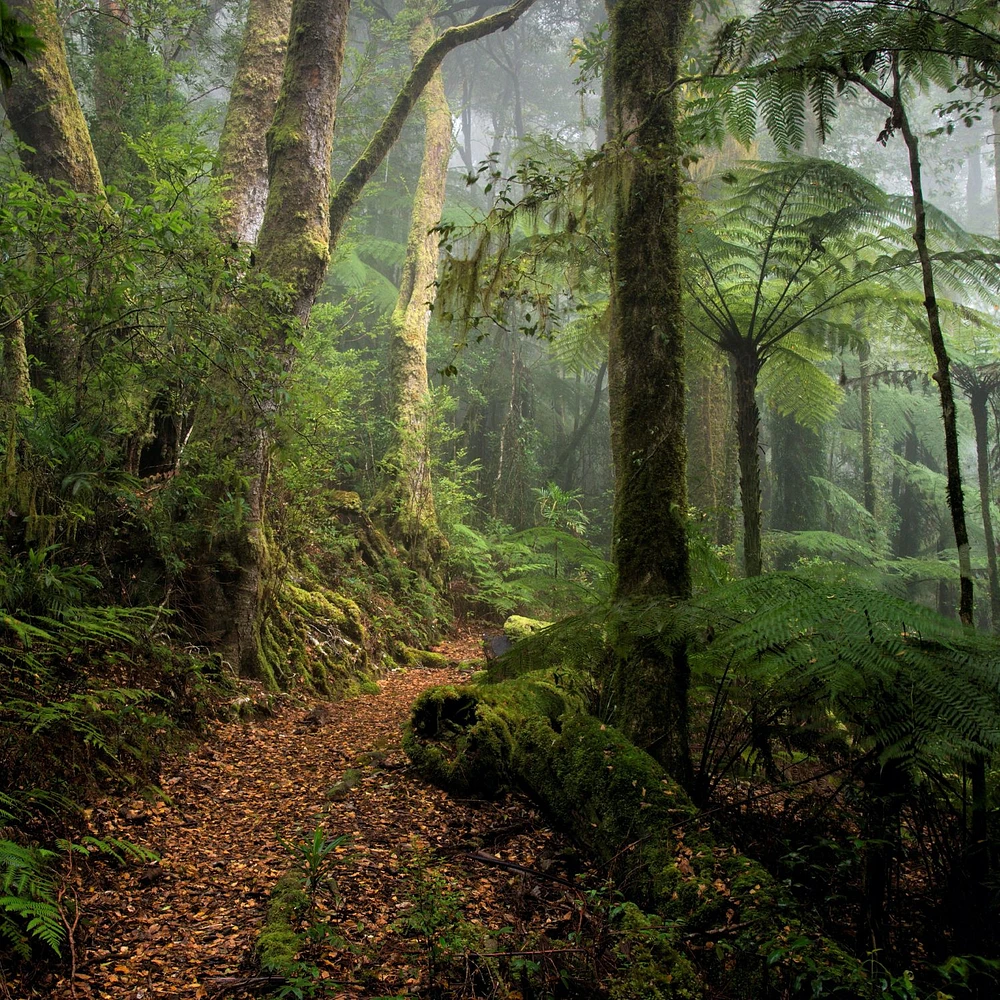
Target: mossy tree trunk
<point>979,403</point>
<point>242,163</point>
<point>746,367</point>
<point>301,224</point>
<point>44,110</point>
<point>408,496</point>
<point>110,40</point>
<point>646,370</point>
<point>45,114</point>
<point>899,119</point>
<point>293,250</point>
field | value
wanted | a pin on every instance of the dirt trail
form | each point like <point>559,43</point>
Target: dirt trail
<point>169,930</point>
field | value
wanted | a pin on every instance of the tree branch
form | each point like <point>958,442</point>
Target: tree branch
<point>349,189</point>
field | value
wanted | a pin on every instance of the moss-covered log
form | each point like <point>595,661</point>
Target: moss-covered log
<point>620,804</point>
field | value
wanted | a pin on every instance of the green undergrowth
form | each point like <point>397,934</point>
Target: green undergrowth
<point>747,936</point>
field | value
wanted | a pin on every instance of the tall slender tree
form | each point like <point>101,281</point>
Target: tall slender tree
<point>646,367</point>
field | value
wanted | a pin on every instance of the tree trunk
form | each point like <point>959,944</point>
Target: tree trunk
<point>108,88</point>
<point>348,191</point>
<point>746,367</point>
<point>646,371</point>
<point>242,163</point>
<point>996,165</point>
<point>867,429</point>
<point>956,499</point>
<point>798,457</point>
<point>978,402</point>
<point>293,250</point>
<point>300,226</point>
<point>44,110</point>
<point>410,500</point>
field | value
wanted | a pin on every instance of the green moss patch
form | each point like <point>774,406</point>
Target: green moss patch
<point>279,942</point>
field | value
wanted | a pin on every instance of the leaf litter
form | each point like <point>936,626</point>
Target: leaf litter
<point>186,926</point>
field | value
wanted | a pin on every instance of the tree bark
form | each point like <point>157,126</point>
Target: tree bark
<point>293,250</point>
<point>978,401</point>
<point>646,371</point>
<point>581,427</point>
<point>108,89</point>
<point>242,162</point>
<point>867,430</point>
<point>956,499</point>
<point>996,165</point>
<point>44,110</point>
<point>746,368</point>
<point>410,498</point>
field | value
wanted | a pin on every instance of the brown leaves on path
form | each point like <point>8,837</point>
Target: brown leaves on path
<point>170,929</point>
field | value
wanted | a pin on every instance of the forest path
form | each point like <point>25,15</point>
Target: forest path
<point>173,929</point>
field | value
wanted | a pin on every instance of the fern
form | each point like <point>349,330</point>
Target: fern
<point>28,892</point>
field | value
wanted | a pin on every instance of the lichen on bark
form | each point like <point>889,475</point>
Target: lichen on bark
<point>242,160</point>
<point>408,497</point>
<point>44,110</point>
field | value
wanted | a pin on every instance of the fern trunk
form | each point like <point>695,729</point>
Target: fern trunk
<point>746,367</point>
<point>956,499</point>
<point>646,369</point>
<point>867,430</point>
<point>978,401</point>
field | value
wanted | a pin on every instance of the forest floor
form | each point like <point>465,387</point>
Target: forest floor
<point>186,925</point>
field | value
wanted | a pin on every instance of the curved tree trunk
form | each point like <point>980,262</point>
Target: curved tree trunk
<point>746,367</point>
<point>646,370</point>
<point>242,163</point>
<point>956,499</point>
<point>348,191</point>
<point>410,500</point>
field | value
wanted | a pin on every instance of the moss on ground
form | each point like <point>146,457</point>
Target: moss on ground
<point>424,658</point>
<point>279,942</point>
<point>518,627</point>
<point>744,928</point>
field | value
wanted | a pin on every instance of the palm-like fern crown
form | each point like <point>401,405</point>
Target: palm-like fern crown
<point>794,54</point>
<point>799,241</point>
